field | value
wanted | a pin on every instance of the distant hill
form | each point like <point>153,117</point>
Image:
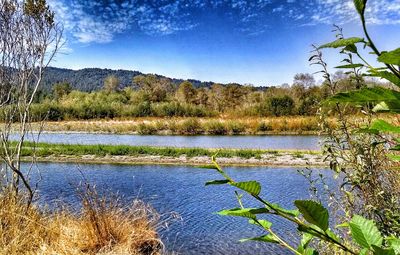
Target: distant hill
<point>90,79</point>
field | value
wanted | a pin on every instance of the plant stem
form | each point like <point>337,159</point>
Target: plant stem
<point>373,47</point>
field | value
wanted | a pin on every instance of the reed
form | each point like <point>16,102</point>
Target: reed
<point>192,126</point>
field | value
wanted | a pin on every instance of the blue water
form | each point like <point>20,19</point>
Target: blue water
<point>249,142</point>
<point>181,189</point>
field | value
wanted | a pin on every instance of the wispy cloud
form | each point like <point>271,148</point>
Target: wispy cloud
<point>90,21</point>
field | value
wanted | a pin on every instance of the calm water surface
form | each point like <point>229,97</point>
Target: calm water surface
<point>253,142</point>
<point>181,189</point>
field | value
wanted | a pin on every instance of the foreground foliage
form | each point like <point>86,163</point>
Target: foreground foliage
<point>358,154</point>
<point>102,226</point>
<point>312,221</point>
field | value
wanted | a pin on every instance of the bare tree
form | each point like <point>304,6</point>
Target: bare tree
<point>29,39</point>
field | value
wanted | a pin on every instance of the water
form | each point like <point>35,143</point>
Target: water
<point>248,142</point>
<point>181,189</point>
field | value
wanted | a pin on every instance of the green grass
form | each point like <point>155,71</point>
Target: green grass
<point>46,149</point>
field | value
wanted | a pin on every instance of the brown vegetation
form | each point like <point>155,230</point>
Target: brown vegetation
<point>103,226</point>
<point>191,126</point>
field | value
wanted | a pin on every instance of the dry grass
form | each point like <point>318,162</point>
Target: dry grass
<point>103,226</point>
<point>191,126</point>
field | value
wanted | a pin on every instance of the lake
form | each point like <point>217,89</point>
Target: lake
<point>245,142</point>
<point>181,189</point>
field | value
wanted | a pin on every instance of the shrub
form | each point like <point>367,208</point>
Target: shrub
<point>103,225</point>
<point>280,106</point>
<point>216,128</point>
<point>190,127</point>
<point>264,127</point>
<point>236,127</point>
<point>146,129</point>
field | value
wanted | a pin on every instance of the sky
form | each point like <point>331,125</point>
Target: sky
<point>259,42</point>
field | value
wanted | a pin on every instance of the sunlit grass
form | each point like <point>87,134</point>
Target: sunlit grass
<point>192,126</point>
<point>101,226</point>
<point>46,149</point>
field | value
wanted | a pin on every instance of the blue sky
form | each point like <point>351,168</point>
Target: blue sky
<point>262,42</point>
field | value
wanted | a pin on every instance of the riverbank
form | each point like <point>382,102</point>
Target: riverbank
<point>122,154</point>
<point>291,125</point>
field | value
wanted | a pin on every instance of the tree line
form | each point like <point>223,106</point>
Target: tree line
<point>152,95</point>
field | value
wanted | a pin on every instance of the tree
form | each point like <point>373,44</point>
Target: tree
<point>305,80</point>
<point>202,96</point>
<point>61,89</point>
<point>111,83</point>
<point>280,106</point>
<point>29,39</point>
<point>186,93</point>
<point>156,88</point>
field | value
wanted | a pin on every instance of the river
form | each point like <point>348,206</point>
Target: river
<point>181,189</point>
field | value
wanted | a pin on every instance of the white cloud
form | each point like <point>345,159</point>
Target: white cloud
<point>90,21</point>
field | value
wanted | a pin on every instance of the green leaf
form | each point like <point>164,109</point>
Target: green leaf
<point>382,251</point>
<point>365,95</point>
<point>278,208</point>
<point>251,187</point>
<point>394,157</point>
<point>390,57</point>
<point>264,223</point>
<point>314,213</point>
<point>351,48</point>
<point>266,238</point>
<point>343,225</point>
<point>217,182</point>
<point>246,213</point>
<point>394,243</point>
<point>385,75</point>
<point>364,232</point>
<point>385,127</point>
<point>332,235</point>
<point>360,6</point>
<point>310,251</point>
<point>388,106</point>
<point>350,66</point>
<point>305,241</point>
<point>342,43</point>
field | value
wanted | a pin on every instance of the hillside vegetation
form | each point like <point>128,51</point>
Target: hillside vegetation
<point>156,96</point>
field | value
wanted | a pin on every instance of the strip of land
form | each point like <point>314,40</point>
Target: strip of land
<point>292,125</point>
<point>123,154</point>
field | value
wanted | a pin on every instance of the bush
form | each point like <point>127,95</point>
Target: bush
<point>190,127</point>
<point>102,226</point>
<point>47,111</point>
<point>146,129</point>
<point>277,106</point>
<point>216,128</point>
<point>264,126</point>
<point>236,127</point>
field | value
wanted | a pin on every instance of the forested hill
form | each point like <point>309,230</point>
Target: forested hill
<point>90,79</point>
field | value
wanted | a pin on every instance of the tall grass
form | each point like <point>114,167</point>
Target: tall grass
<point>194,126</point>
<point>102,226</point>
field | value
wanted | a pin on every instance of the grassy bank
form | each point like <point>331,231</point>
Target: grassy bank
<point>190,126</point>
<point>47,149</point>
<point>124,154</point>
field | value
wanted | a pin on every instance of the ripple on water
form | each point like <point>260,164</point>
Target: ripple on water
<point>181,189</point>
